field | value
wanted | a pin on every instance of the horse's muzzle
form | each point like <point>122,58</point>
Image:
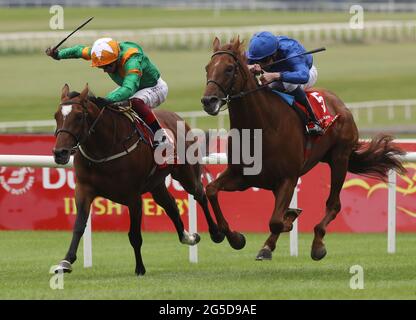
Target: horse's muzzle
<point>212,104</point>
<point>61,155</point>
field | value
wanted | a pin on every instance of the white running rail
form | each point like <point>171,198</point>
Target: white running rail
<point>193,116</point>
<point>219,158</point>
<point>202,37</point>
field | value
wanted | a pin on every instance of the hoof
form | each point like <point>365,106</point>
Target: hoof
<point>190,239</point>
<point>197,238</point>
<point>318,253</point>
<point>63,266</point>
<point>237,240</point>
<point>264,254</point>
<point>140,271</point>
<point>217,237</point>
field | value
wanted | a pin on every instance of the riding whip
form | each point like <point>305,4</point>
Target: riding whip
<point>59,44</point>
<point>295,56</point>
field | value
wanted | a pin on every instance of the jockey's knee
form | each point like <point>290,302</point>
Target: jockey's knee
<point>277,85</point>
<point>289,87</point>
<point>140,106</point>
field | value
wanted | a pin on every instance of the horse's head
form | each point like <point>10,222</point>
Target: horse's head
<point>226,75</point>
<point>71,123</point>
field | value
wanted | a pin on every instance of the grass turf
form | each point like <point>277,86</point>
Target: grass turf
<point>222,273</point>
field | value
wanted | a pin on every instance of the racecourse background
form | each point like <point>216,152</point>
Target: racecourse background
<point>30,89</point>
<point>355,71</point>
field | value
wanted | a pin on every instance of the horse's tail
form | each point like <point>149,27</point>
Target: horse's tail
<point>376,157</point>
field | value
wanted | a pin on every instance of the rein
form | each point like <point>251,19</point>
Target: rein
<point>227,92</point>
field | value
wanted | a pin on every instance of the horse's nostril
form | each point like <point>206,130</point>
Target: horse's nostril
<point>213,100</point>
<point>209,101</point>
<point>206,100</point>
<point>61,152</point>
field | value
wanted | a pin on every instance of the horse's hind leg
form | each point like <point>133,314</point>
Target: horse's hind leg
<point>283,195</point>
<point>163,198</point>
<point>339,166</point>
<point>190,179</point>
<point>135,233</point>
<point>83,198</point>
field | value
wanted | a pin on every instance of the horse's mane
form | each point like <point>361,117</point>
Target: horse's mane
<point>73,94</point>
<point>91,96</point>
<point>237,47</point>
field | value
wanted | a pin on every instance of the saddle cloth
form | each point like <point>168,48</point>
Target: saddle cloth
<point>143,129</point>
<point>145,132</point>
<point>317,102</point>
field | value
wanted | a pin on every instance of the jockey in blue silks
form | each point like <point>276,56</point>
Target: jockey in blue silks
<point>291,76</point>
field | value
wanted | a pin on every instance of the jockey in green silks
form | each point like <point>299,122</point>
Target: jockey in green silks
<point>127,65</point>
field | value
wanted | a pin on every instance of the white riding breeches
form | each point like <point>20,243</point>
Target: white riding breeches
<point>313,76</point>
<point>153,96</point>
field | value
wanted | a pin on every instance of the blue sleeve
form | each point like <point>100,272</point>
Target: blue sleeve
<point>299,73</point>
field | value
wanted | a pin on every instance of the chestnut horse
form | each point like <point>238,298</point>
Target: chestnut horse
<point>115,163</point>
<point>283,147</point>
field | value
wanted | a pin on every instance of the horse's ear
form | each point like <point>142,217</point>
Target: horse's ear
<point>65,91</point>
<point>236,43</point>
<point>241,46</point>
<point>216,44</point>
<point>84,93</point>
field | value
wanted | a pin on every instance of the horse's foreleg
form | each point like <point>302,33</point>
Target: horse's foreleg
<point>283,195</point>
<point>215,234</point>
<point>226,182</point>
<point>83,198</point>
<point>135,233</point>
<point>339,166</point>
<point>190,180</point>
<point>163,198</point>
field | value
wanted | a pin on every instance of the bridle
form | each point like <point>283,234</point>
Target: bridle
<point>80,142</point>
<point>84,122</point>
<point>228,96</point>
<point>237,66</point>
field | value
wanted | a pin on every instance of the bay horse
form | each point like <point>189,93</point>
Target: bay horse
<point>113,162</point>
<point>283,147</point>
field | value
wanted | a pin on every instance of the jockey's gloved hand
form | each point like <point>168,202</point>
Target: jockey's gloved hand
<point>255,69</point>
<point>102,102</point>
<point>52,52</point>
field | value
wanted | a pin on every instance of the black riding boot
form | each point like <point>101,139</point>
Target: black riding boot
<point>313,127</point>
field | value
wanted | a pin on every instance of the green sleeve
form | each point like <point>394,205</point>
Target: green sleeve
<point>131,81</point>
<point>75,52</point>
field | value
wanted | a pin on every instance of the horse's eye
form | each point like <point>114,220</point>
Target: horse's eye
<point>229,69</point>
